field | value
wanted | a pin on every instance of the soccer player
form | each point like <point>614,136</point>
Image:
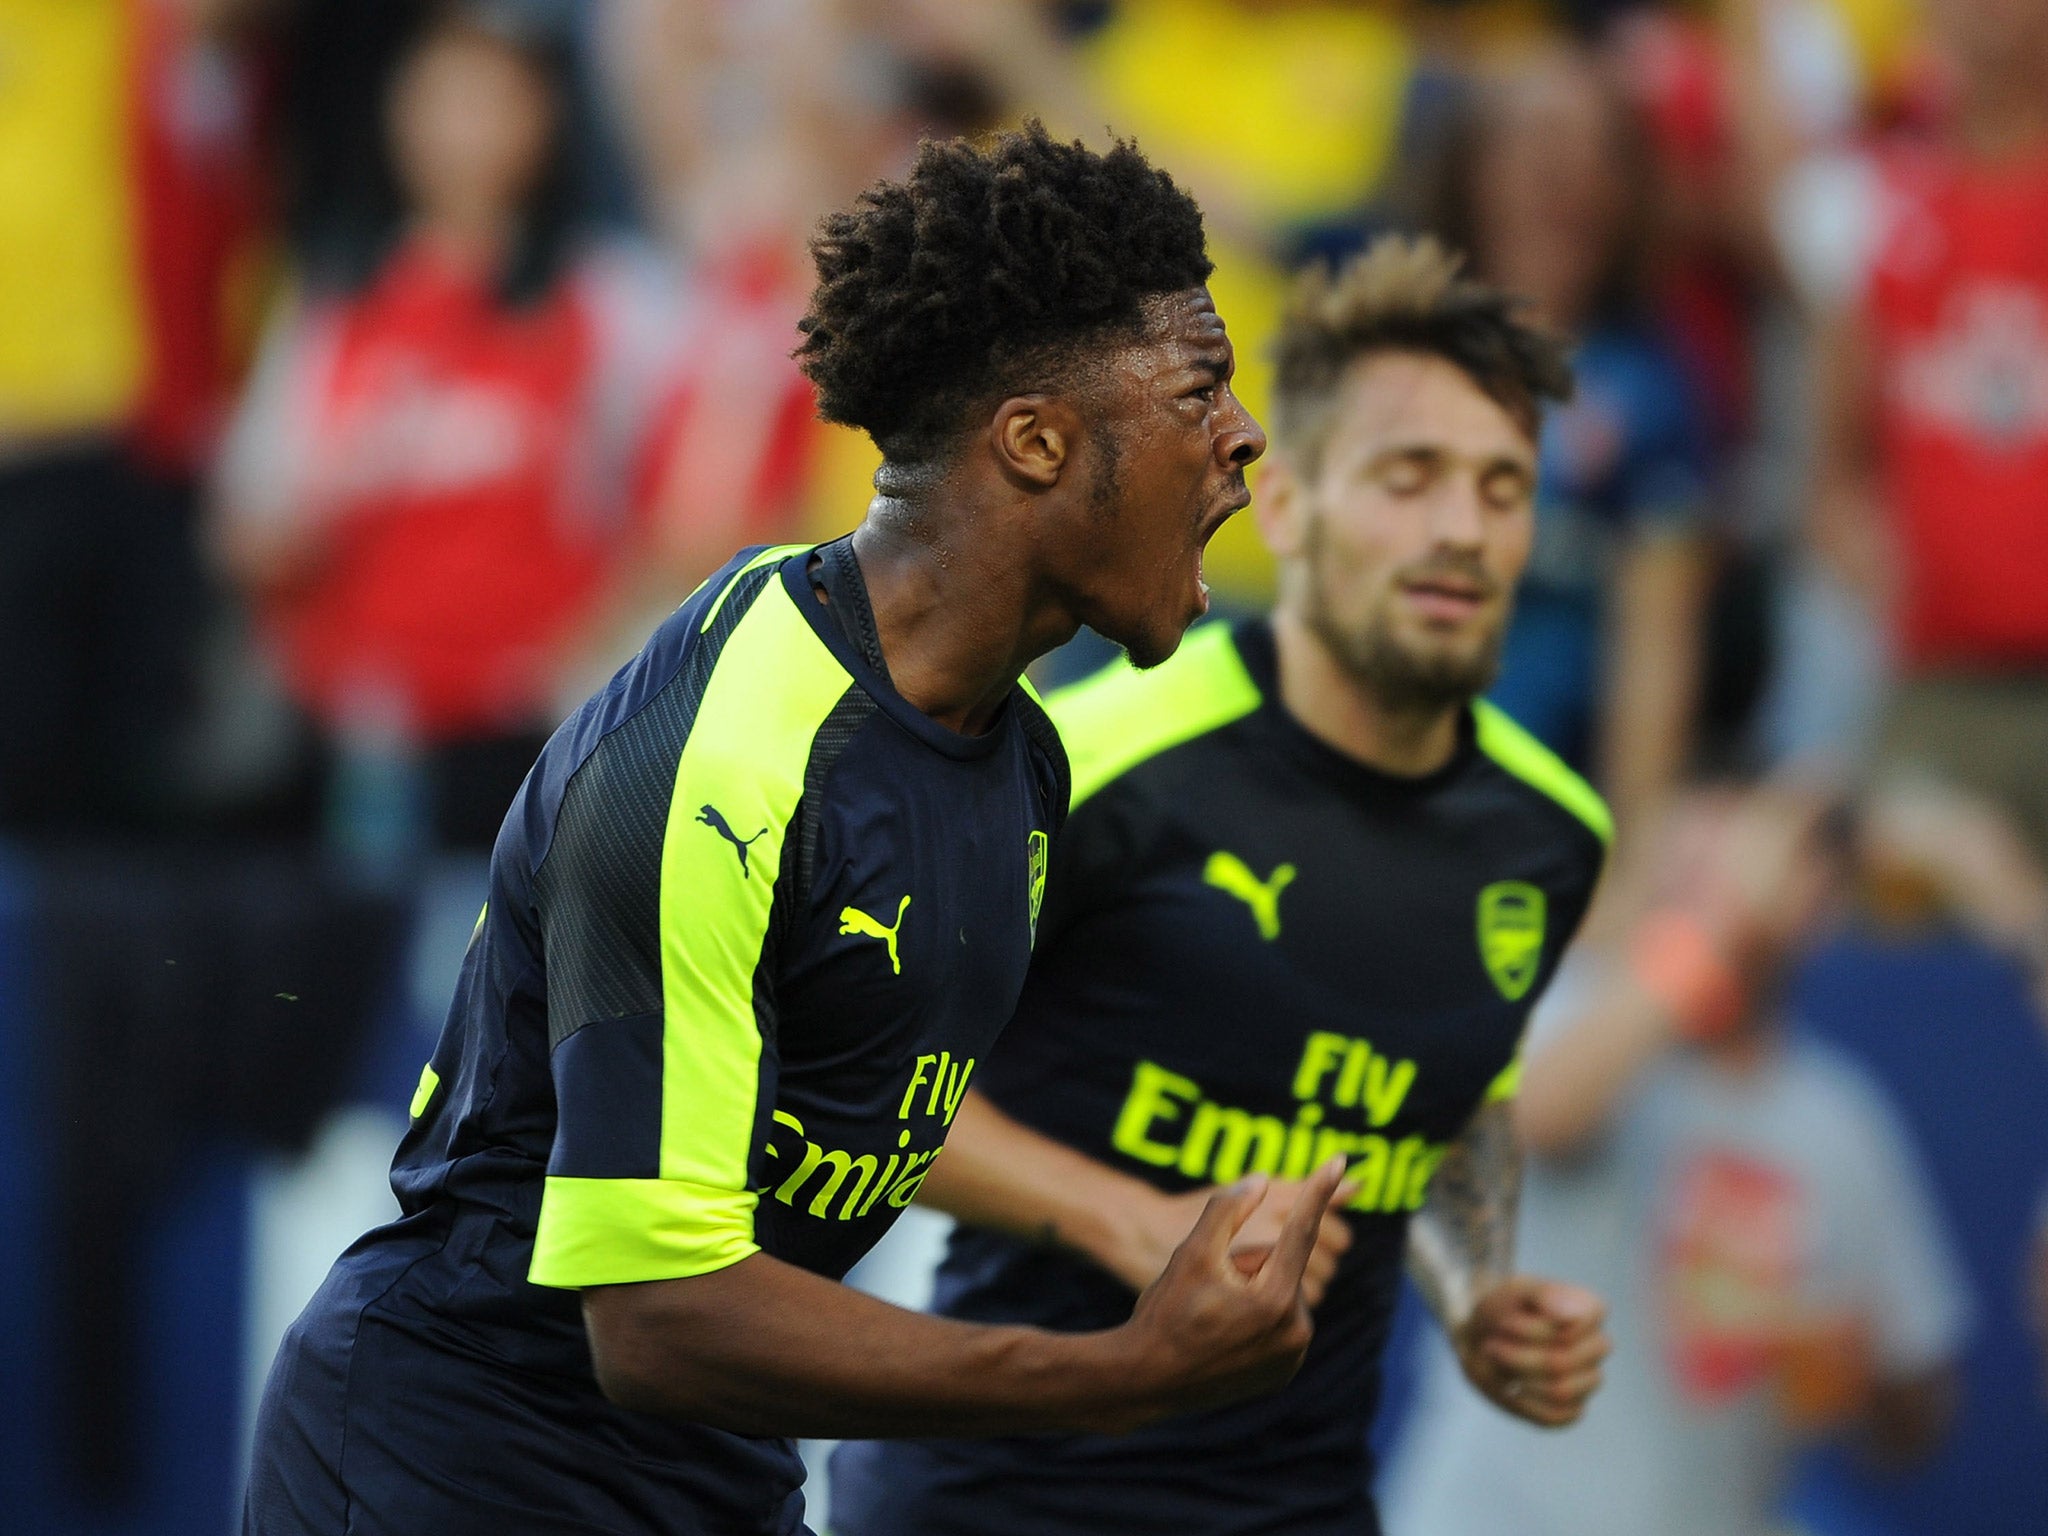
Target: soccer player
<point>758,913</point>
<point>1310,890</point>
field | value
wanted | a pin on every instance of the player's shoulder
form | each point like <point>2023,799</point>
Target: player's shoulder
<point>738,625</point>
<point>1554,792</point>
<point>1121,717</point>
<point>1049,751</point>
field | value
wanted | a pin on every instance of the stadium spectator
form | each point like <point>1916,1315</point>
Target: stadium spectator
<point>747,120</point>
<point>1744,1196</point>
<point>1545,182</point>
<point>131,213</point>
<point>426,486</point>
<point>1933,402</point>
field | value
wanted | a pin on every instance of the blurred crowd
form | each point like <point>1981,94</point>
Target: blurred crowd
<point>374,374</point>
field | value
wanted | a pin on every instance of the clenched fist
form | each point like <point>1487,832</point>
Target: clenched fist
<point>1533,1347</point>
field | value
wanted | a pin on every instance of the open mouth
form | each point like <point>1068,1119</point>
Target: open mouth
<point>1444,599</point>
<point>1239,500</point>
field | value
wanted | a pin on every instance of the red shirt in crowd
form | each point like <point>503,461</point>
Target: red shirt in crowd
<point>1958,303</point>
<point>459,467</point>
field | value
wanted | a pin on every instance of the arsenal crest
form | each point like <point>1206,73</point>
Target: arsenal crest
<point>1511,916</point>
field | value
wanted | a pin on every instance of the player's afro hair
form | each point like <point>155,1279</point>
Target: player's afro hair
<point>977,275</point>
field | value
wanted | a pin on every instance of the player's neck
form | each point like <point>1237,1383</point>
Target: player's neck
<point>1333,706</point>
<point>956,621</point>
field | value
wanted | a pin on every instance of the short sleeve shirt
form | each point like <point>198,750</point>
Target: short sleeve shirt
<point>1255,952</point>
<point>1715,1208</point>
<point>754,923</point>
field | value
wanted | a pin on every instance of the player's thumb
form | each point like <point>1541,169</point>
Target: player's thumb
<point>1224,1217</point>
<point>1572,1307</point>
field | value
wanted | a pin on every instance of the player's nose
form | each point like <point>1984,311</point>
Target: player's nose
<point>1459,520</point>
<point>1242,439</point>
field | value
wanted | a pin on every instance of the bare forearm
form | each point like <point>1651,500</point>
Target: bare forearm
<point>765,1348</point>
<point>1002,1175</point>
<point>1463,1240</point>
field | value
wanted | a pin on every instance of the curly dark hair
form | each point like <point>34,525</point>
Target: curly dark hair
<point>991,269</point>
<point>1407,295</point>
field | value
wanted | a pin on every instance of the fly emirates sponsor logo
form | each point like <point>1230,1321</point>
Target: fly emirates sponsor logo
<point>836,1185</point>
<point>1168,1121</point>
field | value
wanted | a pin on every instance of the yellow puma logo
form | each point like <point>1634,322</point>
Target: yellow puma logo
<point>853,920</point>
<point>1229,874</point>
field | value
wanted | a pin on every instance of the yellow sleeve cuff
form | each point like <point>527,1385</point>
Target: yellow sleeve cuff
<point>617,1231</point>
<point>1508,1084</point>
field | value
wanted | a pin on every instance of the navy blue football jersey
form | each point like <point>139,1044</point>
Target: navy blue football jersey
<point>754,922</point>
<point>1256,952</point>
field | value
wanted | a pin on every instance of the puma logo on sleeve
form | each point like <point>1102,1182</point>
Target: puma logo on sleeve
<point>854,921</point>
<point>710,817</point>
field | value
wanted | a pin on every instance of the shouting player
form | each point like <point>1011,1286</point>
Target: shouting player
<point>757,916</point>
<point>1309,893</point>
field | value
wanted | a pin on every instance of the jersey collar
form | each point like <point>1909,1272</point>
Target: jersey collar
<point>1253,639</point>
<point>845,627</point>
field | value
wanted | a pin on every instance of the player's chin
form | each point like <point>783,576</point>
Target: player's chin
<point>1149,646</point>
<point>1150,619</point>
<point>1470,652</point>
<point>1150,637</point>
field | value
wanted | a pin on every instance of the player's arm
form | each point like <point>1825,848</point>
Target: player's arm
<point>1001,1174</point>
<point>764,1348</point>
<point>656,936</point>
<point>1531,1346</point>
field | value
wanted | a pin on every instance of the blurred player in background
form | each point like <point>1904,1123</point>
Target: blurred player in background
<point>763,904</point>
<point>1310,891</point>
<point>1744,1196</point>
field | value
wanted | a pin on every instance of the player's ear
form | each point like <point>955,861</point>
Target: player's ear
<point>1279,506</point>
<point>1032,437</point>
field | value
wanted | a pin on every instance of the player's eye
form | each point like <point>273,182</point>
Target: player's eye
<point>1506,489</point>
<point>1405,477</point>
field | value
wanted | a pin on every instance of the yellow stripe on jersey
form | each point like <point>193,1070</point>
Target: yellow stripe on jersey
<point>771,688</point>
<point>423,1095</point>
<point>1521,754</point>
<point>618,1231</point>
<point>1507,1084</point>
<point>766,557</point>
<point>1120,717</point>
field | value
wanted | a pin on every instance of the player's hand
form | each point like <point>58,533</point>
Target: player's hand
<point>1209,1329</point>
<point>1533,1348</point>
<point>1158,1225</point>
<point>1256,1239</point>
